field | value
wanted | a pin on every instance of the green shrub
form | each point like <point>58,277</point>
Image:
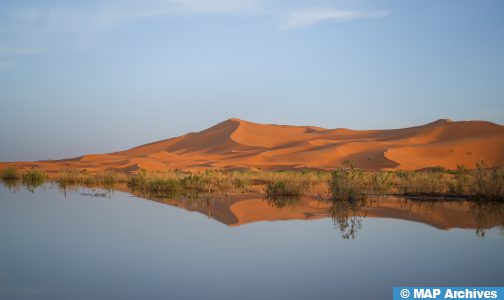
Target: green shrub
<point>489,183</point>
<point>422,182</point>
<point>155,182</point>
<point>33,176</point>
<point>461,181</point>
<point>10,173</point>
<point>282,188</point>
<point>195,182</point>
<point>347,184</point>
<point>381,181</point>
<point>32,179</point>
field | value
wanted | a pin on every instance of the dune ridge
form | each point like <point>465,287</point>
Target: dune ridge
<point>239,144</point>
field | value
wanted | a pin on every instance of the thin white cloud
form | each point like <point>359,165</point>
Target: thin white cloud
<point>217,6</point>
<point>109,14</point>
<point>307,17</point>
<point>112,13</point>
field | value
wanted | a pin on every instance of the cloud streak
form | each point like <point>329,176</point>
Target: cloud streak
<point>308,17</point>
<point>217,6</point>
<point>110,14</point>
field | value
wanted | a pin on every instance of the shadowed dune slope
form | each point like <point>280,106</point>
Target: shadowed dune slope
<point>236,143</point>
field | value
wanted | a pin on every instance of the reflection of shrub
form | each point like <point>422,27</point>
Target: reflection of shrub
<point>282,201</point>
<point>347,183</point>
<point>486,213</point>
<point>347,216</point>
<point>10,173</point>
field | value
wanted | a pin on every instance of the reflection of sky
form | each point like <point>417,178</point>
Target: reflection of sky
<point>104,75</point>
<point>126,248</point>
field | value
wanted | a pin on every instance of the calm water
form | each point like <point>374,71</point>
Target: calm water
<point>75,246</point>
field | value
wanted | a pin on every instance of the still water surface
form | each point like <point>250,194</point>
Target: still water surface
<point>76,246</point>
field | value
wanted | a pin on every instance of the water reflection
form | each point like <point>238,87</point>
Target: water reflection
<point>486,214</point>
<point>15,185</point>
<point>12,185</point>
<point>282,202</point>
<point>347,215</point>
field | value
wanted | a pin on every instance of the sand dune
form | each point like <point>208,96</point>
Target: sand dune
<point>235,143</point>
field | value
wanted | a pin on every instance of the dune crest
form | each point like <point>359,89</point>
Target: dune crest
<point>236,143</point>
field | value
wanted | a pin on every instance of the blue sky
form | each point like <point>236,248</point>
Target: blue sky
<point>98,76</point>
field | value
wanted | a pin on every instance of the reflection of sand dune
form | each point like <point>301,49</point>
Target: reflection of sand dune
<point>256,210</point>
<point>236,211</point>
<point>442,215</point>
<point>240,144</point>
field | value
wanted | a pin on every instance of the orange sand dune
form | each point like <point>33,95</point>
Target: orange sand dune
<point>236,143</point>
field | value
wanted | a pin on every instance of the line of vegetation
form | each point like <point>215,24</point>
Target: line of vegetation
<point>347,183</point>
<point>108,180</point>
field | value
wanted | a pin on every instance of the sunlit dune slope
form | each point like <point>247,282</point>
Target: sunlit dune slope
<point>236,144</point>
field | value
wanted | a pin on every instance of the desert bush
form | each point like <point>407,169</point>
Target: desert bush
<point>33,176</point>
<point>489,183</point>
<point>10,173</point>
<point>290,182</point>
<point>65,178</point>
<point>32,179</point>
<point>461,180</point>
<point>347,183</point>
<point>211,181</point>
<point>241,183</point>
<point>76,178</point>
<point>195,182</point>
<point>281,188</point>
<point>381,181</point>
<point>155,182</point>
<point>422,182</point>
<point>110,179</point>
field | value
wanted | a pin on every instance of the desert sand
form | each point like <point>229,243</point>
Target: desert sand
<point>239,144</point>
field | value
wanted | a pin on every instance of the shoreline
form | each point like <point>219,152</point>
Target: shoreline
<point>340,184</point>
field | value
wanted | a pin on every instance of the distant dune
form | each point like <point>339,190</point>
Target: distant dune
<point>238,144</point>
